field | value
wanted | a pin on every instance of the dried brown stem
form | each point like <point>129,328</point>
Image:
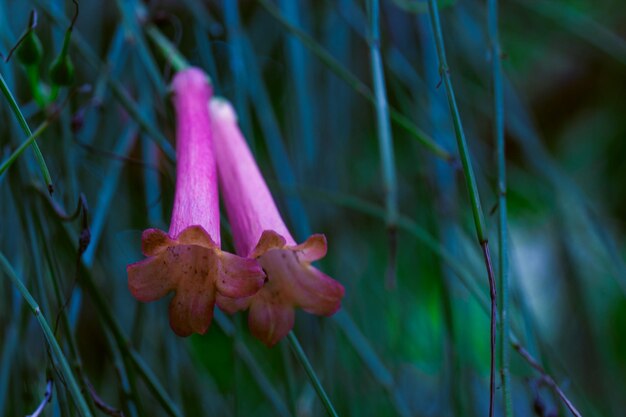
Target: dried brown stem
<point>492,295</point>
<point>101,404</point>
<point>546,378</point>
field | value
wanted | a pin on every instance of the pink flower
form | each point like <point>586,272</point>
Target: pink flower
<point>188,260</point>
<point>260,233</point>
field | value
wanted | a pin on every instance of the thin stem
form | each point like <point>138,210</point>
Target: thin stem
<point>128,352</point>
<point>460,271</point>
<point>118,90</point>
<point>102,405</point>
<point>304,361</point>
<point>342,72</point>
<point>368,355</point>
<point>246,356</point>
<point>130,12</point>
<point>547,378</point>
<point>20,149</point>
<point>168,50</point>
<point>47,396</point>
<point>470,179</point>
<point>503,264</point>
<point>299,67</point>
<point>385,139</point>
<point>62,363</point>
<point>26,129</point>
<point>32,73</point>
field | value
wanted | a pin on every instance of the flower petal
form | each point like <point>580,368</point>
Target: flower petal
<point>313,249</point>
<point>196,235</point>
<point>239,277</point>
<point>269,240</point>
<point>232,305</point>
<point>150,279</point>
<point>191,310</point>
<point>316,292</point>
<point>270,322</point>
<point>299,284</point>
<point>154,241</point>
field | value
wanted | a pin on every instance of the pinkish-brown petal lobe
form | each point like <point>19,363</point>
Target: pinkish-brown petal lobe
<point>313,249</point>
<point>270,322</point>
<point>299,284</point>
<point>151,279</point>
<point>191,310</point>
<point>196,235</point>
<point>269,240</point>
<point>239,277</point>
<point>316,292</point>
<point>154,241</point>
<point>192,269</point>
<point>233,305</point>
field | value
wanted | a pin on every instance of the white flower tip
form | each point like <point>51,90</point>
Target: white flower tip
<point>221,108</point>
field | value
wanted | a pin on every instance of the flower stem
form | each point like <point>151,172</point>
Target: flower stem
<point>304,361</point>
<point>24,125</point>
<point>32,73</point>
<point>64,368</point>
<point>385,139</point>
<point>503,264</point>
<point>472,188</point>
<point>169,51</point>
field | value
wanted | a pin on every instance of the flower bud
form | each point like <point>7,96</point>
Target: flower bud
<point>62,70</point>
<point>30,50</point>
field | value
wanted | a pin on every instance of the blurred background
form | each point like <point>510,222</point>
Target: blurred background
<point>300,76</point>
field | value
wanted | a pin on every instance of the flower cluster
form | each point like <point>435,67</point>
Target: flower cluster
<point>271,274</point>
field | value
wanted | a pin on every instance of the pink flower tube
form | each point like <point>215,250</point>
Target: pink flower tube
<point>260,233</point>
<point>188,259</point>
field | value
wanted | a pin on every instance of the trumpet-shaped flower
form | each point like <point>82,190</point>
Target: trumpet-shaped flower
<point>188,260</point>
<point>260,233</point>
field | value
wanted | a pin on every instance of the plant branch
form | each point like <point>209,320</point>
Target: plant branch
<point>470,180</point>
<point>29,134</point>
<point>317,385</point>
<point>503,265</point>
<point>385,140</point>
<point>66,372</point>
<point>547,378</point>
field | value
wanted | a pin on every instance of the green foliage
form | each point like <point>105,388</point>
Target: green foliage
<point>301,79</point>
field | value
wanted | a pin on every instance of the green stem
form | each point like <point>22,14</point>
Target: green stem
<point>71,340</point>
<point>64,367</point>
<point>32,73</point>
<point>263,382</point>
<point>470,179</point>
<point>304,361</point>
<point>385,139</point>
<point>169,51</point>
<point>130,10</point>
<point>118,90</point>
<point>143,369</point>
<point>24,124</point>
<point>460,271</point>
<point>342,72</point>
<point>20,149</point>
<point>503,270</point>
<point>123,343</point>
